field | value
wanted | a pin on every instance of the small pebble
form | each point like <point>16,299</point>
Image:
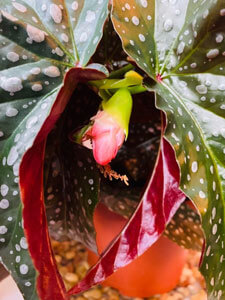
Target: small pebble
<point>58,259</point>
<point>63,270</point>
<point>199,296</point>
<point>183,291</point>
<point>93,294</point>
<point>70,254</point>
<point>71,258</point>
<point>81,269</point>
<point>71,277</point>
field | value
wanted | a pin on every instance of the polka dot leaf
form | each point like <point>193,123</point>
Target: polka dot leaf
<point>181,46</point>
<point>72,194</point>
<point>41,43</point>
<point>185,228</point>
<point>20,121</point>
<point>71,176</point>
<point>66,31</point>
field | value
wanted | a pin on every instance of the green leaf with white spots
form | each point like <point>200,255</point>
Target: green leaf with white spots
<point>181,46</point>
<point>20,122</point>
<point>72,194</point>
<point>71,175</point>
<point>86,21</point>
<point>67,31</point>
<point>185,228</point>
<point>39,42</point>
<point>122,201</point>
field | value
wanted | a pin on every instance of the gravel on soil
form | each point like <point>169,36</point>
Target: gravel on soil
<point>71,258</point>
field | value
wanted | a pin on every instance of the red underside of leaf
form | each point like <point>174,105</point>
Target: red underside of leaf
<point>158,205</point>
<point>49,283</point>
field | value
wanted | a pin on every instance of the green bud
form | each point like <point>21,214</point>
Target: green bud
<point>119,106</point>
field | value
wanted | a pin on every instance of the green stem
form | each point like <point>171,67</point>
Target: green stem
<point>118,73</point>
<point>137,89</point>
<point>104,94</point>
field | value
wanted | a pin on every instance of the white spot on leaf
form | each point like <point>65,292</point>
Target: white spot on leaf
<point>219,37</point>
<point>90,17</point>
<point>201,89</point>
<point>3,229</point>
<point>36,87</point>
<point>213,213</point>
<point>8,16</point>
<point>52,71</point>
<point>12,56</point>
<point>168,25</point>
<point>58,51</point>
<point>180,48</point>
<point>74,5</point>
<point>35,34</point>
<point>21,8</point>
<point>35,71</point>
<point>43,7</point>
<point>12,84</point>
<point>11,112</point>
<point>194,166</point>
<point>141,37</point>
<point>212,281</point>
<point>208,250</point>
<point>214,229</point>
<point>144,3</point>
<point>190,135</point>
<point>24,269</point>
<point>202,194</point>
<point>222,12</point>
<point>28,283</point>
<point>180,111</point>
<point>4,204</point>
<point>31,122</point>
<point>65,37</point>
<point>135,20</point>
<point>12,157</point>
<point>83,37</point>
<point>16,169</point>
<point>23,243</point>
<point>56,13</point>
<point>4,190</point>
<point>193,65</point>
<point>213,53</point>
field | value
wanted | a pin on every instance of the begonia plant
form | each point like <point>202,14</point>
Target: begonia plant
<point>100,98</point>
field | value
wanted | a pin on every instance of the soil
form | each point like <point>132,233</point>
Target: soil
<point>72,262</point>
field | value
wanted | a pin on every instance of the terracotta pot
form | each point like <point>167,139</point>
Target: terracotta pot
<point>157,271</point>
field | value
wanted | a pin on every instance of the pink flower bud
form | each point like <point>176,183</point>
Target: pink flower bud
<point>107,137</point>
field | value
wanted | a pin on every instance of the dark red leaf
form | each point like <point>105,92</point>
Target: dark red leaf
<point>49,283</point>
<point>159,203</point>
